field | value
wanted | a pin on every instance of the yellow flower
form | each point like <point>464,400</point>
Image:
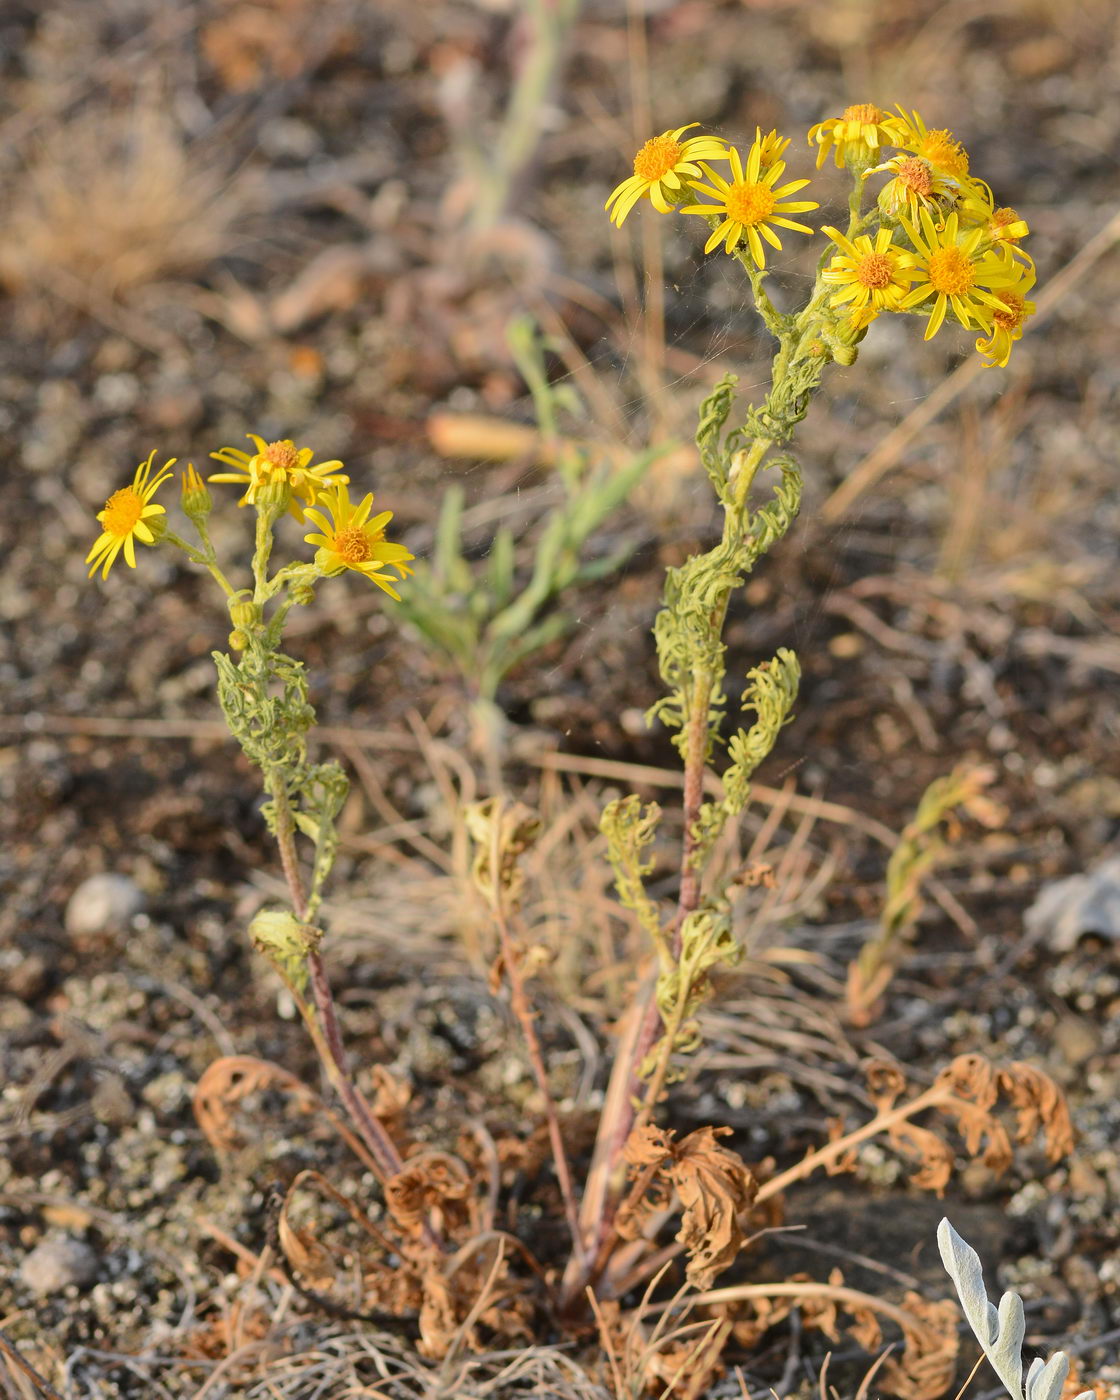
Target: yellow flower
<point>1007,323</point>
<point>129,515</point>
<point>940,147</point>
<point>955,268</point>
<point>856,135</point>
<point>658,168</point>
<point>1001,226</point>
<point>916,186</point>
<point>750,203</point>
<point>871,274</point>
<point>277,470</point>
<point>773,146</point>
<point>351,540</point>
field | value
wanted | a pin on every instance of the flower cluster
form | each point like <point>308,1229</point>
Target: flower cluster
<point>277,478</point>
<point>934,243</point>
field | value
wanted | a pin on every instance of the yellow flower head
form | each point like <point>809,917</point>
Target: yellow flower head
<point>855,137</point>
<point>915,186</point>
<point>772,145</point>
<point>871,274</point>
<point>1007,322</point>
<point>955,268</point>
<point>129,515</point>
<point>349,539</point>
<point>940,148</point>
<point>277,471</point>
<point>659,167</point>
<point>1002,226</point>
<point>750,202</point>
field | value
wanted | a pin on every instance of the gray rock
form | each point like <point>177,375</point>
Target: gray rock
<point>1067,909</point>
<point>104,904</point>
<point>58,1262</point>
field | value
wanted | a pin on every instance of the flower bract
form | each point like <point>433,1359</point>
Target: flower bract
<point>871,273</point>
<point>129,515</point>
<point>854,137</point>
<point>958,271</point>
<point>661,168</point>
<point>278,471</point>
<point>349,539</point>
<point>750,202</point>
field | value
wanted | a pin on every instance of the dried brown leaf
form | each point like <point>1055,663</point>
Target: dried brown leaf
<point>687,1370</point>
<point>932,1157</point>
<point>865,1330</point>
<point>928,1363</point>
<point>390,1102</point>
<point>846,1161</point>
<point>429,1183</point>
<point>1040,1106</point>
<point>886,1083</point>
<point>714,1185</point>
<point>226,1082</point>
<point>821,1313</point>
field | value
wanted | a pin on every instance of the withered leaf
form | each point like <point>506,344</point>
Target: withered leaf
<point>428,1182</point>
<point>928,1363</point>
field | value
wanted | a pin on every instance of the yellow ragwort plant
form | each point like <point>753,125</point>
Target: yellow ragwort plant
<point>263,692</point>
<point>932,243</point>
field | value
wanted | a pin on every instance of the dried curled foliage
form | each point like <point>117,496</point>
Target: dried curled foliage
<point>233,1078</point>
<point>970,1091</point>
<point>684,1363</point>
<point>688,1369</point>
<point>926,1367</point>
<point>461,1300</point>
<point>430,1186</point>
<point>712,1183</point>
<point>928,1363</point>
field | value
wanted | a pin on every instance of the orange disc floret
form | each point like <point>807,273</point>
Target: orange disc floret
<point>874,270</point>
<point>657,157</point>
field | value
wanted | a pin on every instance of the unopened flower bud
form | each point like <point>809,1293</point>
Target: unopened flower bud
<point>243,612</point>
<point>196,499</point>
<point>238,640</point>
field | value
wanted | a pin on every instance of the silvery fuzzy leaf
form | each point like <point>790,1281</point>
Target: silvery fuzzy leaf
<point>1000,1332</point>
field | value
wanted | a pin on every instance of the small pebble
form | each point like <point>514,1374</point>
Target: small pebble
<point>57,1263</point>
<point>103,903</point>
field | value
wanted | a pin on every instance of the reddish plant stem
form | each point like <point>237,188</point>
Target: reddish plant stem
<point>380,1144</point>
<point>624,1092</point>
<point>526,1017</point>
